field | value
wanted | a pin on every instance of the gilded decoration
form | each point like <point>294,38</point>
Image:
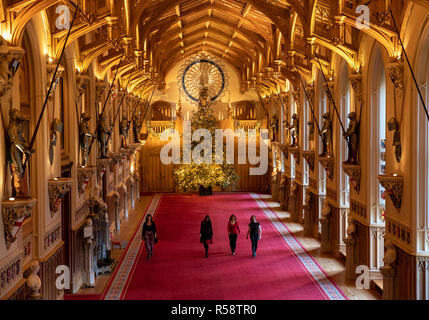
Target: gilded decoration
<point>296,152</point>
<point>310,157</point>
<point>394,185</point>
<point>328,164</point>
<point>58,188</point>
<point>84,175</point>
<point>14,212</point>
<point>354,173</point>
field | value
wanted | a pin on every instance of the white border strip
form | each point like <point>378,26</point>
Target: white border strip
<point>313,268</point>
<point>121,276</point>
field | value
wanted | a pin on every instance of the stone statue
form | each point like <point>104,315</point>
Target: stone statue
<point>33,281</point>
<point>294,188</point>
<point>123,130</point>
<point>308,197</point>
<point>393,125</point>
<point>16,149</point>
<point>137,127</point>
<point>327,135</point>
<point>352,136</point>
<point>275,127</point>
<point>85,137</point>
<point>351,227</point>
<point>326,209</point>
<point>294,130</point>
<point>103,135</point>
<point>389,254</point>
<point>311,129</point>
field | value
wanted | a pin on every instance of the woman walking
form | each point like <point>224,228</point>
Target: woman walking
<point>206,234</point>
<point>149,235</point>
<point>255,233</point>
<point>233,231</point>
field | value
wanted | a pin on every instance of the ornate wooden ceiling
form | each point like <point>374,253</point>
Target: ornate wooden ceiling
<point>267,41</point>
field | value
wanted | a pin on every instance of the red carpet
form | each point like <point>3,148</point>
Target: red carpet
<point>179,271</point>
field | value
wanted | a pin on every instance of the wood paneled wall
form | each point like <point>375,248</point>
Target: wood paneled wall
<point>157,177</point>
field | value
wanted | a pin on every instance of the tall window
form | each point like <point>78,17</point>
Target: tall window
<point>322,110</point>
<point>377,148</point>
<point>345,110</point>
<point>379,112</point>
<point>304,132</point>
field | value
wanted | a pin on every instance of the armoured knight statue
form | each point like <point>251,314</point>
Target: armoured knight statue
<point>294,130</point>
<point>352,136</point>
<point>123,129</point>
<point>327,135</point>
<point>16,148</point>
<point>137,127</point>
<point>103,135</point>
<point>275,127</point>
<point>85,137</point>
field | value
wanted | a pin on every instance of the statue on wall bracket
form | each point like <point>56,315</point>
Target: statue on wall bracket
<point>123,129</point>
<point>311,130</point>
<point>17,148</point>
<point>137,127</point>
<point>294,130</point>
<point>56,127</point>
<point>393,125</point>
<point>275,127</point>
<point>327,135</point>
<point>103,136</point>
<point>352,137</point>
<point>85,137</point>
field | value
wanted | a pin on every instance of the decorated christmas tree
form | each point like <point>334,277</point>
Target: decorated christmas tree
<point>192,176</point>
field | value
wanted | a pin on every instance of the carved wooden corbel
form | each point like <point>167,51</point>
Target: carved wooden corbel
<point>310,157</point>
<point>356,81</point>
<point>83,177</point>
<point>296,152</point>
<point>396,74</point>
<point>58,188</point>
<point>394,185</point>
<point>14,212</point>
<point>354,172</point>
<point>102,166</point>
<point>328,164</point>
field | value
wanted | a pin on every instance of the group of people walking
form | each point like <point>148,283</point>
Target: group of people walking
<point>206,234</point>
<point>254,231</point>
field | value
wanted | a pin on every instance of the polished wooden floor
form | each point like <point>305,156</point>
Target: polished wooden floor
<point>334,267</point>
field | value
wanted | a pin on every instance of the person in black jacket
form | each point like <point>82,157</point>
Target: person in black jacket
<point>206,234</point>
<point>149,235</point>
<point>255,233</point>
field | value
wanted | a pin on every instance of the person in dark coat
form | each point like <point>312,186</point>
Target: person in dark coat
<point>206,234</point>
<point>255,233</point>
<point>149,235</point>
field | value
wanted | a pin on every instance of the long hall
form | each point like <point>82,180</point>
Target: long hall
<point>126,122</point>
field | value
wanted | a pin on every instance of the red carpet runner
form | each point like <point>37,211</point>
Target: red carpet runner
<point>179,271</point>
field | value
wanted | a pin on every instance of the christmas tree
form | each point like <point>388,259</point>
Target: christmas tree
<point>191,176</point>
